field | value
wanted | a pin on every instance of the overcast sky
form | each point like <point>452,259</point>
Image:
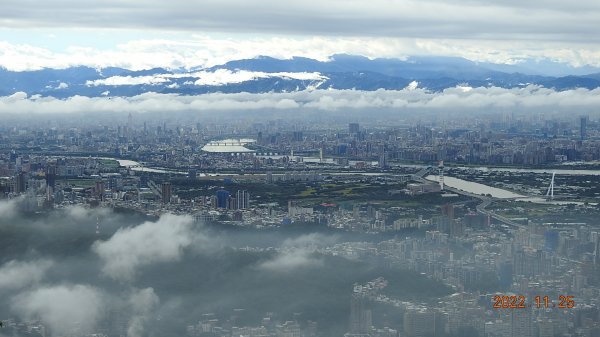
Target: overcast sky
<point>184,33</point>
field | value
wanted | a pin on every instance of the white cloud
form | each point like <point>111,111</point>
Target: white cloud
<point>327,100</point>
<point>151,242</point>
<point>225,76</point>
<point>412,85</point>
<point>127,80</point>
<point>207,51</point>
<point>62,85</point>
<point>66,309</point>
<point>298,252</point>
<point>16,274</point>
<point>218,77</point>
<point>290,259</point>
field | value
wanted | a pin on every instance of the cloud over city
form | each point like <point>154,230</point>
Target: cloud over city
<point>65,308</point>
<point>151,242</point>
<point>518,99</point>
<point>18,274</point>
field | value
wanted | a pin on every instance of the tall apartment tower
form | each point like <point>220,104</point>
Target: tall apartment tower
<point>360,315</point>
<point>166,192</point>
<point>243,199</point>
<point>583,127</point>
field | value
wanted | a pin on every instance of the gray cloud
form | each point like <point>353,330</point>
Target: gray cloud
<point>8,208</point>
<point>309,241</point>
<point>78,214</point>
<point>151,242</point>
<point>542,20</point>
<point>17,274</point>
<point>66,309</point>
<point>143,302</point>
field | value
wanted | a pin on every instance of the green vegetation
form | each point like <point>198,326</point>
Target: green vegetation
<point>81,182</point>
<point>547,213</point>
<point>309,191</point>
<point>344,193</point>
<point>109,163</point>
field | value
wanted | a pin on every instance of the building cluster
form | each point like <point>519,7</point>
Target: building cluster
<point>229,326</point>
<point>468,251</point>
<point>278,145</point>
<point>538,260</point>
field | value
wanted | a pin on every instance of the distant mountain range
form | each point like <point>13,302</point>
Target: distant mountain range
<point>267,74</point>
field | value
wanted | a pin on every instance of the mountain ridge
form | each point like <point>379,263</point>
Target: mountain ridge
<point>267,74</point>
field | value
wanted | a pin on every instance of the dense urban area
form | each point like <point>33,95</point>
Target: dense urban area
<point>418,227</point>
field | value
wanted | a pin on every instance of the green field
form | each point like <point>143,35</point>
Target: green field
<point>81,182</point>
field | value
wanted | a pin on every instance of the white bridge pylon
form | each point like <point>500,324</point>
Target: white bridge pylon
<point>550,192</point>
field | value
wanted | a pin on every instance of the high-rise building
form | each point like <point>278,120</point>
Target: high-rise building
<point>383,160</point>
<point>551,240</point>
<point>457,228</point>
<point>448,210</point>
<point>222,198</point>
<point>419,323</point>
<point>99,189</point>
<point>298,136</point>
<point>354,128</point>
<point>360,314</point>
<point>51,176</point>
<point>166,192</point>
<point>521,323</point>
<point>505,274</point>
<point>269,177</point>
<point>129,125</point>
<point>595,239</point>
<point>242,199</point>
<point>583,127</point>
<point>21,183</point>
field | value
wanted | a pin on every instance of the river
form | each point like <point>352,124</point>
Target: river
<point>532,170</point>
<point>498,193</point>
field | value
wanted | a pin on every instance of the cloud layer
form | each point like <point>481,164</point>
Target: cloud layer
<point>142,302</point>
<point>327,100</point>
<point>291,259</point>
<point>542,20</point>
<point>207,51</point>
<point>8,208</point>
<point>151,242</point>
<point>16,274</point>
<point>63,308</point>
<point>218,77</point>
